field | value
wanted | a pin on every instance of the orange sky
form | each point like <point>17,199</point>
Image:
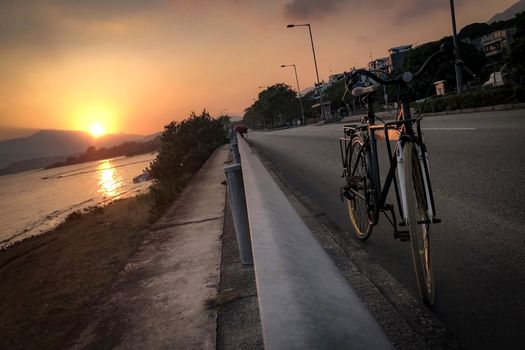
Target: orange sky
<point>136,65</point>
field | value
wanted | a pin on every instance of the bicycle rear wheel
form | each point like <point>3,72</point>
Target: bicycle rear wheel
<point>358,181</point>
<point>418,222</point>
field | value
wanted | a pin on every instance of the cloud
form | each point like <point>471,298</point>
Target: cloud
<point>62,24</point>
<point>103,9</point>
<point>420,8</point>
<point>375,9</point>
<point>312,9</point>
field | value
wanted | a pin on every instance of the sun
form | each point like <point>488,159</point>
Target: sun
<point>97,130</point>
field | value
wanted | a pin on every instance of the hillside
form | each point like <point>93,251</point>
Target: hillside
<point>53,143</point>
<point>44,143</point>
<point>509,13</point>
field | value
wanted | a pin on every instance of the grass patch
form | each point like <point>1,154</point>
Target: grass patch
<point>473,99</point>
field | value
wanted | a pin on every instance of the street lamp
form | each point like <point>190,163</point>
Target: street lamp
<point>298,89</point>
<point>311,41</point>
<point>315,62</point>
<point>459,73</point>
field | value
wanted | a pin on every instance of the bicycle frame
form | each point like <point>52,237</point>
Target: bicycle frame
<point>366,195</point>
<point>404,125</point>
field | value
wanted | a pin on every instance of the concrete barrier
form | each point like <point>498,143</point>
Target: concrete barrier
<point>304,300</point>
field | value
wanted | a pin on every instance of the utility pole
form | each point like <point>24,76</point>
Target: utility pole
<point>298,90</point>
<point>459,73</point>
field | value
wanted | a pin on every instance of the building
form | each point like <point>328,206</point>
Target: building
<point>497,42</point>
<point>440,87</point>
<point>334,78</point>
<point>397,57</point>
<point>382,64</point>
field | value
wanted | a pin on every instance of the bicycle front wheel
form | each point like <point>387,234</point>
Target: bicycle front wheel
<point>418,222</point>
<point>358,180</point>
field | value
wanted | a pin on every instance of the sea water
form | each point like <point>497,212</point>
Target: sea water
<point>36,201</point>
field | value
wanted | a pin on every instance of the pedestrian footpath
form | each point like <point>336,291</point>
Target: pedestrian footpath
<point>159,299</point>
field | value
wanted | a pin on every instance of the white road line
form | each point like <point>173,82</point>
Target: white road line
<point>449,129</point>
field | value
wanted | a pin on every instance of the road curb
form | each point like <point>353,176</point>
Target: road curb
<point>495,108</point>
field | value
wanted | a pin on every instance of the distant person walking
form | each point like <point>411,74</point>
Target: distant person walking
<point>241,129</point>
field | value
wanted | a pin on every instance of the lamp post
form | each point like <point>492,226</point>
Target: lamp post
<point>459,73</point>
<point>311,41</point>
<point>298,89</point>
<point>315,62</point>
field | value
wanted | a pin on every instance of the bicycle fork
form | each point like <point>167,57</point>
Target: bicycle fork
<point>423,162</point>
<point>402,183</point>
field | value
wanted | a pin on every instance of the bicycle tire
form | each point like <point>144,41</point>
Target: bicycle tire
<point>418,223</point>
<point>358,207</point>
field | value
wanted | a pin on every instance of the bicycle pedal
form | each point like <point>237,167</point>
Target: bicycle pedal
<point>436,221</point>
<point>402,224</point>
<point>403,236</point>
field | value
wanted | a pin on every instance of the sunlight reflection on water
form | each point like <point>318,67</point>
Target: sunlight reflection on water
<point>109,180</point>
<point>35,201</point>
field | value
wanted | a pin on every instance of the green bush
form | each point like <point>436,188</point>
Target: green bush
<point>185,146</point>
<point>482,98</point>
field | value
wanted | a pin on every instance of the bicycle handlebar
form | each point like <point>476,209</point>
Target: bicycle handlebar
<point>446,48</point>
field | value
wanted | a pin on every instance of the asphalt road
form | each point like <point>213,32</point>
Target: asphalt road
<point>478,166</point>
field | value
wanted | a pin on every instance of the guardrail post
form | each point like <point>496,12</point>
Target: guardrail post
<point>239,212</point>
<point>235,150</point>
<point>232,136</point>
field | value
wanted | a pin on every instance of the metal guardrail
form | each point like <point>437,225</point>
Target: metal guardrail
<point>304,300</point>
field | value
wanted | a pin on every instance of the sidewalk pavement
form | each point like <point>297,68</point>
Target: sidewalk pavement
<point>158,300</point>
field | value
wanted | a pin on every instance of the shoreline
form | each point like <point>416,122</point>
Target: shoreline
<point>49,279</point>
<point>29,232</point>
<point>38,201</point>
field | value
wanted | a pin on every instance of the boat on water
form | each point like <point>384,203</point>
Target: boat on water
<point>145,176</point>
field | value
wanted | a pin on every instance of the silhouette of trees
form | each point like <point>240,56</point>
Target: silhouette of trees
<point>442,68</point>
<point>517,49</point>
<point>184,147</point>
<point>277,105</point>
<point>127,149</point>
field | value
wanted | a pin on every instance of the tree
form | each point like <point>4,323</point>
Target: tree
<point>517,48</point>
<point>475,30</point>
<point>278,104</point>
<point>334,93</point>
<point>442,68</point>
<point>252,118</point>
<point>185,146</point>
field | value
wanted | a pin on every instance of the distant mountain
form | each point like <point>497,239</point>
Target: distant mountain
<point>150,137</point>
<point>111,140</point>
<point>8,133</point>
<point>53,143</point>
<point>44,143</point>
<point>509,13</point>
<point>30,164</point>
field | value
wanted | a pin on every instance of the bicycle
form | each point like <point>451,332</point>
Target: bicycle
<point>409,172</point>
